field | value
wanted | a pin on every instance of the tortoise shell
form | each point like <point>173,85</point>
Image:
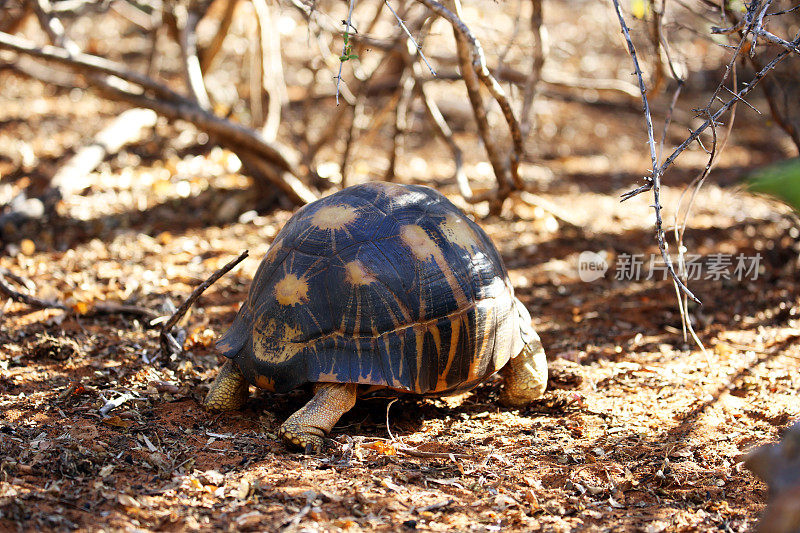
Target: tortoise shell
<point>378,284</point>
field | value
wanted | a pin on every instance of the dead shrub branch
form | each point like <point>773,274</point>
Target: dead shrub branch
<point>165,339</point>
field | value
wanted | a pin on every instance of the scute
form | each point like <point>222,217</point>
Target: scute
<point>377,284</point>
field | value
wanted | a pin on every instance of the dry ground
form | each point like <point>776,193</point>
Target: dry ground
<point>650,440</point>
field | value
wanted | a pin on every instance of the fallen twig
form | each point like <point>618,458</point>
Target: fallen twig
<point>27,299</point>
<point>164,338</point>
<point>413,452</point>
<point>41,303</point>
<point>110,405</point>
<point>227,132</point>
<point>19,280</point>
<point>534,200</point>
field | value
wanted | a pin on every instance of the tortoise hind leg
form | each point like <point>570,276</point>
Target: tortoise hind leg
<point>525,376</point>
<point>229,390</point>
<point>306,427</point>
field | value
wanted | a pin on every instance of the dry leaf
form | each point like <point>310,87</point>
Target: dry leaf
<point>249,519</point>
<point>381,447</point>
<point>128,501</point>
<point>242,490</point>
<point>391,485</point>
<point>81,308</point>
<point>118,422</point>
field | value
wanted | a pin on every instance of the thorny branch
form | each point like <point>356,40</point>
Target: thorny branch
<point>410,37</point>
<point>750,28</point>
<point>655,179</point>
<point>748,87</point>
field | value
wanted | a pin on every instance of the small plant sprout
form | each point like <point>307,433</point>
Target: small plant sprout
<point>347,53</point>
<point>347,49</point>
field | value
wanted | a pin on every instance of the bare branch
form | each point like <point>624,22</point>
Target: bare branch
<point>441,128</point>
<point>537,63</point>
<point>256,75</point>
<point>51,25</point>
<point>739,96</point>
<point>81,62</point>
<point>363,39</point>
<point>345,47</point>
<point>478,62</point>
<point>272,79</point>
<point>411,37</point>
<point>187,24</point>
<point>208,54</point>
<point>792,47</point>
<point>471,81</point>
<point>406,90</point>
<point>695,134</point>
<point>176,107</point>
<point>352,134</point>
<point>228,131</point>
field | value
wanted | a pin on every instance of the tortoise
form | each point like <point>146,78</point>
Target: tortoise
<point>379,286</point>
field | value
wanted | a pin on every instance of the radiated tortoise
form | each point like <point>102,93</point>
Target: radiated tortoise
<point>378,286</point>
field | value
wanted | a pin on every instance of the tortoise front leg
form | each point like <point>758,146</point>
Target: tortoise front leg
<point>229,390</point>
<point>306,427</point>
<point>525,376</point>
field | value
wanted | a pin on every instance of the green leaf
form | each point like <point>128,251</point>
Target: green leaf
<point>780,180</point>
